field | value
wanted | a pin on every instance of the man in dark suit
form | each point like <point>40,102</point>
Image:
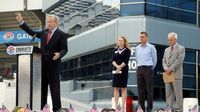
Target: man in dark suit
<point>54,44</point>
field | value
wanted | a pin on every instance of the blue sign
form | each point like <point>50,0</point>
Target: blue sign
<point>17,36</point>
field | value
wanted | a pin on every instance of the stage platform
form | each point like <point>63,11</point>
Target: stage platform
<point>80,106</point>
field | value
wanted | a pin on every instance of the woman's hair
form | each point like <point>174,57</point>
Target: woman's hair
<point>126,45</point>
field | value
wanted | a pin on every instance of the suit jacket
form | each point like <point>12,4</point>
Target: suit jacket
<point>57,43</point>
<point>174,60</point>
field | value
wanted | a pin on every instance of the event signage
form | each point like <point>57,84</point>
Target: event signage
<point>13,50</point>
<point>17,36</point>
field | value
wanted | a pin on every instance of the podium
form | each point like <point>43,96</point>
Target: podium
<point>29,73</point>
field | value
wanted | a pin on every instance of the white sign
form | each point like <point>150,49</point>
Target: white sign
<point>13,50</point>
<point>132,65</point>
<point>132,61</point>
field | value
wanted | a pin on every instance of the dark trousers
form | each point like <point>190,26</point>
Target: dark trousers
<point>145,87</point>
<point>51,77</point>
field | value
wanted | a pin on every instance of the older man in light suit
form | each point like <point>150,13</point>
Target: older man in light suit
<point>173,62</point>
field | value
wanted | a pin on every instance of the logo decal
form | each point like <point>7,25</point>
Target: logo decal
<point>11,50</point>
<point>8,36</point>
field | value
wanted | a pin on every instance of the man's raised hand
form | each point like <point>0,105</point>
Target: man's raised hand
<point>19,17</point>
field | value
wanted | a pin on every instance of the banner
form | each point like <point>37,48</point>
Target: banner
<point>13,50</point>
<point>17,36</point>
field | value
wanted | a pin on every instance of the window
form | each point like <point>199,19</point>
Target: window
<point>199,57</point>
<point>159,94</point>
<point>177,10</point>
<point>190,56</point>
<point>174,14</point>
<point>189,17</point>
<point>189,93</point>
<point>160,2</point>
<point>126,1</point>
<point>189,5</point>
<point>189,69</point>
<point>88,67</point>
<point>131,9</point>
<point>97,69</point>
<point>156,11</point>
<point>199,6</point>
<point>199,20</point>
<point>189,83</point>
<point>174,3</point>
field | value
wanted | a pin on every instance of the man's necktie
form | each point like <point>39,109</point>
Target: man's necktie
<point>48,37</point>
<point>172,48</point>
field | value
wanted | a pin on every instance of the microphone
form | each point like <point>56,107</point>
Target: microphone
<point>33,38</point>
